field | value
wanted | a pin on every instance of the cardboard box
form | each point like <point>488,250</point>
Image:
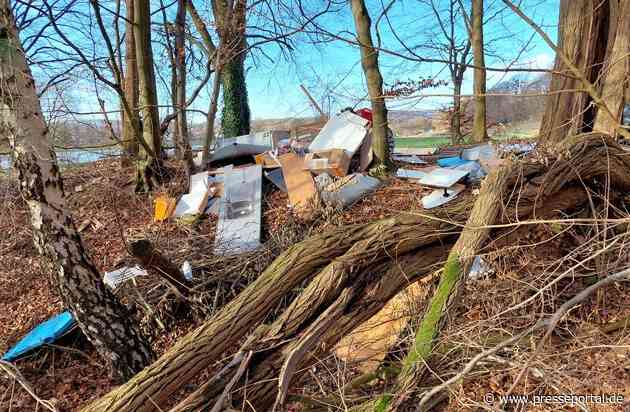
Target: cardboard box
<point>333,161</point>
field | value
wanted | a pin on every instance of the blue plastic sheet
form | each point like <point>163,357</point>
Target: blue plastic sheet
<point>46,332</point>
<point>451,161</point>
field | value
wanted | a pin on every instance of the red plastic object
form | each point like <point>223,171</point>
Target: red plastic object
<point>366,114</point>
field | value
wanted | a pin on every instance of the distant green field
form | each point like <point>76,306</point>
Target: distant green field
<point>443,140</point>
<point>416,142</point>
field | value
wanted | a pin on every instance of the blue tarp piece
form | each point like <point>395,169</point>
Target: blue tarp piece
<point>451,161</point>
<point>46,332</point>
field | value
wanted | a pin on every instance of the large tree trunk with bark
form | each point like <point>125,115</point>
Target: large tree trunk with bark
<point>130,124</point>
<point>101,317</point>
<point>374,80</point>
<point>479,132</point>
<point>149,162</point>
<point>231,23</point>
<point>583,37</point>
<point>616,69</point>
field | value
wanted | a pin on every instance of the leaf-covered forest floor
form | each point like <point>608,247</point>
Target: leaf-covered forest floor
<point>584,356</point>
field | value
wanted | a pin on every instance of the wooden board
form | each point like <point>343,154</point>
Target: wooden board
<point>299,182</point>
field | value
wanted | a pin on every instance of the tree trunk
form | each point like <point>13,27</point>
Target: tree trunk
<point>182,136</point>
<point>542,191</point>
<point>456,117</point>
<point>372,73</point>
<point>479,132</point>
<point>236,115</point>
<point>152,259</point>
<point>616,73</point>
<point>231,29</point>
<point>213,60</point>
<point>149,163</point>
<point>131,92</point>
<point>210,138</point>
<point>101,317</point>
<point>308,329</point>
<point>582,33</point>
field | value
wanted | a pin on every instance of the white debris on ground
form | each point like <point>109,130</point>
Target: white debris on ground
<point>116,277</point>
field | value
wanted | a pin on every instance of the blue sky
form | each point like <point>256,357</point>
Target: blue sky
<point>335,68</point>
<point>331,70</point>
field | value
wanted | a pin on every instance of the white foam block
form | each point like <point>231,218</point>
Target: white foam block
<point>441,177</point>
<point>344,131</point>
<point>437,197</point>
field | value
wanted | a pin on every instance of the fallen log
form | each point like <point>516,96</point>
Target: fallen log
<point>283,351</point>
<point>201,348</point>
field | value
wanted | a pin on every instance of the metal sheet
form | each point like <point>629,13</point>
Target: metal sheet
<point>277,178</point>
<point>484,151</point>
<point>354,190</point>
<point>238,229</point>
<point>441,177</point>
<point>344,131</point>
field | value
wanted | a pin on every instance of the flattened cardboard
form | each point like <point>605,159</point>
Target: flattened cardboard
<point>299,182</point>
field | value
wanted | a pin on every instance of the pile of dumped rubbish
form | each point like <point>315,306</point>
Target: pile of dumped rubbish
<point>329,169</point>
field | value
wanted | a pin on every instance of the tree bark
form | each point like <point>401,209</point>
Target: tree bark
<point>307,330</point>
<point>209,138</point>
<point>231,23</point>
<point>149,162</point>
<point>130,90</point>
<point>374,80</point>
<point>182,139</point>
<point>616,73</point>
<point>580,158</point>
<point>101,317</point>
<point>582,34</point>
<point>480,132</point>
